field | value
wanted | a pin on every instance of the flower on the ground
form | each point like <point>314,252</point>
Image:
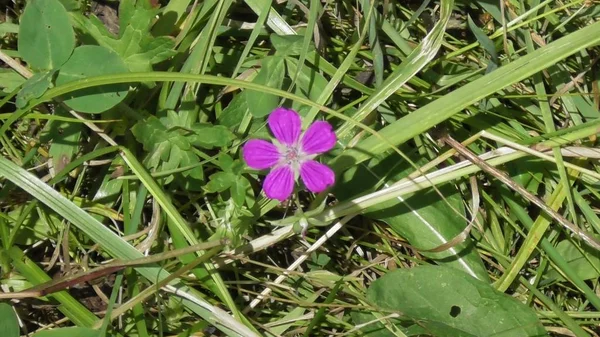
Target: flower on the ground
<point>291,154</point>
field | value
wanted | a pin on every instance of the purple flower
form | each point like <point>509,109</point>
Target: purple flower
<point>291,154</point>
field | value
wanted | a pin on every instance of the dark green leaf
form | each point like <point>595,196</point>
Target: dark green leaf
<point>288,45</point>
<point>167,148</point>
<point>239,190</point>
<point>79,66</point>
<point>9,324</point>
<point>424,218</point>
<point>46,38</point>
<point>444,299</point>
<point>271,74</point>
<point>35,87</point>
<point>208,136</point>
<point>233,114</point>
<point>586,267</point>
<point>220,181</point>
<point>310,82</point>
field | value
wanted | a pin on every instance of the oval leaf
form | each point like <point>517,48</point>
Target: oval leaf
<point>271,74</point>
<point>88,61</point>
<point>424,218</point>
<point>35,87</point>
<point>9,324</point>
<point>46,38</point>
<point>444,299</point>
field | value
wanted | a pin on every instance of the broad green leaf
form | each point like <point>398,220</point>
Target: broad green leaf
<point>208,136</point>
<point>240,189</point>
<point>587,267</point>
<point>220,181</point>
<point>233,114</point>
<point>138,49</point>
<point>33,228</point>
<point>444,299</point>
<point>271,74</point>
<point>167,148</point>
<point>154,51</point>
<point>309,81</point>
<point>289,45</point>
<point>64,138</point>
<point>68,332</point>
<point>79,66</point>
<point>9,324</point>
<point>422,218</point>
<point>46,38</point>
<point>35,87</point>
<point>10,80</point>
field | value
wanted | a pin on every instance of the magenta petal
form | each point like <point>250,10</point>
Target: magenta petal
<point>279,184</point>
<point>285,125</point>
<point>318,138</point>
<point>316,176</point>
<point>260,154</point>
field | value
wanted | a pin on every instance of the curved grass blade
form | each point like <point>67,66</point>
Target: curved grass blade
<point>448,105</point>
<point>116,246</point>
<point>416,61</point>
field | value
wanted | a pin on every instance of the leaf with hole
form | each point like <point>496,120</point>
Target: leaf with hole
<point>444,299</point>
<point>79,66</point>
<point>46,38</point>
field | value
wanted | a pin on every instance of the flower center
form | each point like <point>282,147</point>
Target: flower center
<point>291,154</point>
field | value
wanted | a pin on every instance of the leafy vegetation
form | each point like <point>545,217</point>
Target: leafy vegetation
<point>467,182</point>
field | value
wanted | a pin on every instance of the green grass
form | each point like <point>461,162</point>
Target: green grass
<point>162,169</point>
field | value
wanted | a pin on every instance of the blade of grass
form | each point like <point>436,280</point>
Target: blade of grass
<point>264,12</point>
<point>339,73</point>
<point>445,107</point>
<point>69,306</point>
<point>414,63</point>
<point>523,215</point>
<point>540,90</point>
<point>275,21</point>
<point>116,246</point>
